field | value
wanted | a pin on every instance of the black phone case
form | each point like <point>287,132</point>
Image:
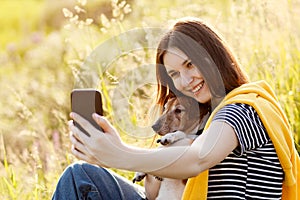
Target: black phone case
<point>85,102</point>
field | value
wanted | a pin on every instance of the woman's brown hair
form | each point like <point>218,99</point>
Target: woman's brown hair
<point>208,52</point>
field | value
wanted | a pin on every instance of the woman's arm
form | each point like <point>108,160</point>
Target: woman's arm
<point>107,149</point>
<point>209,149</point>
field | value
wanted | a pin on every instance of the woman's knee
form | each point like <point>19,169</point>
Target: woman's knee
<point>92,180</point>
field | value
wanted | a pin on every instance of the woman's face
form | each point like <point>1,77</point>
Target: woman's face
<point>186,77</point>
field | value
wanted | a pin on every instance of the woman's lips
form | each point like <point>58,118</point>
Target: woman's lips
<point>198,87</point>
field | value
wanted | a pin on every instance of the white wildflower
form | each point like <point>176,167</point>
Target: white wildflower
<point>105,22</point>
<point>127,9</point>
<point>67,12</point>
<point>79,9</point>
<point>89,21</point>
<point>82,2</point>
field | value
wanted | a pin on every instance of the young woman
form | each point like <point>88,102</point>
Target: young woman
<point>245,152</point>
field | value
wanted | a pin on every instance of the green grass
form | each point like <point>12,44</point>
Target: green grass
<point>37,74</point>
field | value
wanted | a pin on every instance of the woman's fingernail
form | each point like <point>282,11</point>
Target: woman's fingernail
<point>96,117</point>
<point>70,122</point>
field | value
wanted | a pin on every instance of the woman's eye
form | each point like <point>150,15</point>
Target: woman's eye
<point>173,74</point>
<point>189,65</point>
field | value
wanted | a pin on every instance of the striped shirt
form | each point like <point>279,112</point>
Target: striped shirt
<point>252,170</point>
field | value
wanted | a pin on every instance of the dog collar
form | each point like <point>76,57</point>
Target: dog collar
<point>199,132</point>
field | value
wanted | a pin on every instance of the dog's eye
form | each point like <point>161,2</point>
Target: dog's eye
<point>178,111</point>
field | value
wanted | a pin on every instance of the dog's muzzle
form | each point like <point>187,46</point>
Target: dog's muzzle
<point>156,127</point>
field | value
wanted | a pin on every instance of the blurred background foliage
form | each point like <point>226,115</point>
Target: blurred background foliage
<point>43,44</point>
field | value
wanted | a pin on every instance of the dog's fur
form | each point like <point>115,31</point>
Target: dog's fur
<point>178,125</point>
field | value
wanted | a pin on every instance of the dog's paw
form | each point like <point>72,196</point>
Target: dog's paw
<point>158,178</point>
<point>139,176</point>
<point>163,141</point>
<point>166,139</point>
<point>170,138</point>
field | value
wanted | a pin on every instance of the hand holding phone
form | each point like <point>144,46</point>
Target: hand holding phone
<point>85,102</point>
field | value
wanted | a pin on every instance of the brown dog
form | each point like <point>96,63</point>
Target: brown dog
<point>182,120</point>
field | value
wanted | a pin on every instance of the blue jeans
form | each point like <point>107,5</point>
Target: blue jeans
<point>89,182</point>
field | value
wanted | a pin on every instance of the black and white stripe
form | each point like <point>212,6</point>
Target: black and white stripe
<point>251,171</point>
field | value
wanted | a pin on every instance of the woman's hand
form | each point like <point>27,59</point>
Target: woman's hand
<point>101,148</point>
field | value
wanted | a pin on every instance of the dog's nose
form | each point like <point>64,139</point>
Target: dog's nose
<point>156,127</point>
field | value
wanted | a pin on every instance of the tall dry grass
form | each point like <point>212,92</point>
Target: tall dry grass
<point>38,73</point>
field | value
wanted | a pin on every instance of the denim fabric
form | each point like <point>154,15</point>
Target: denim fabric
<point>89,182</point>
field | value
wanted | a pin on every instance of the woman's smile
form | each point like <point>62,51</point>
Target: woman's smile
<point>197,88</point>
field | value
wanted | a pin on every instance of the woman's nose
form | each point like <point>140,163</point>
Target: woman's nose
<point>186,79</point>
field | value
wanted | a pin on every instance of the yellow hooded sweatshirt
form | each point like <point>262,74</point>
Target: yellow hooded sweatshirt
<point>260,96</point>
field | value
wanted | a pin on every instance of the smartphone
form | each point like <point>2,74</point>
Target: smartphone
<point>85,102</point>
